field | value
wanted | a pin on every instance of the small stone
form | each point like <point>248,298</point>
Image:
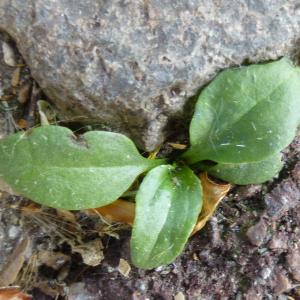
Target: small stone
<point>179,296</point>
<point>279,241</point>
<point>265,273</point>
<point>13,231</point>
<point>166,270</point>
<point>195,256</point>
<point>159,269</point>
<point>110,269</point>
<point>143,287</point>
<point>280,283</point>
<point>9,56</point>
<point>293,260</point>
<point>284,197</point>
<point>257,233</point>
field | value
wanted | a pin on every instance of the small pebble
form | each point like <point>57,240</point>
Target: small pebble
<point>179,296</point>
<point>13,232</point>
<point>265,273</point>
<point>257,233</point>
<point>8,55</point>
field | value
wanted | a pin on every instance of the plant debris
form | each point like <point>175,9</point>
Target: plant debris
<point>124,267</point>
<point>11,269</point>
<point>91,252</point>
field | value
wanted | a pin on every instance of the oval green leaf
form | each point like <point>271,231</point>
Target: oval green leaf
<point>249,173</point>
<point>168,204</point>
<point>51,166</point>
<point>246,114</point>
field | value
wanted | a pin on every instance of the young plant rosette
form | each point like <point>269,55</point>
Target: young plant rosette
<point>243,120</point>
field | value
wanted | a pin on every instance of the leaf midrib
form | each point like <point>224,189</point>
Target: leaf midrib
<point>155,241</point>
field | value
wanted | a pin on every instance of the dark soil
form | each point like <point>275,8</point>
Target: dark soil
<point>249,250</point>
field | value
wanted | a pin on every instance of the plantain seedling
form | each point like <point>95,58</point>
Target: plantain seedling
<point>242,121</point>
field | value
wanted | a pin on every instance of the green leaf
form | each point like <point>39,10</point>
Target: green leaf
<point>246,114</point>
<point>167,207</point>
<point>51,166</point>
<point>246,173</point>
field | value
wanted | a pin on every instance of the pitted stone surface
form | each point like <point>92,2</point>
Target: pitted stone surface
<point>132,65</point>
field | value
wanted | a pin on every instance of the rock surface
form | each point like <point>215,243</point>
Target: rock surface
<point>132,65</point>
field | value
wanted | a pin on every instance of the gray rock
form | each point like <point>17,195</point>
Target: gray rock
<point>279,241</point>
<point>293,261</point>
<point>257,233</point>
<point>284,197</point>
<point>133,65</point>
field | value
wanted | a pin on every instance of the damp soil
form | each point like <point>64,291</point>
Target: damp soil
<point>250,249</point>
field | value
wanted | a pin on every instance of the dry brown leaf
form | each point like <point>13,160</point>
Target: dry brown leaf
<point>213,193</point>
<point>124,267</point>
<point>30,209</point>
<point>119,211</point>
<point>13,293</point>
<point>11,269</point>
<point>28,274</point>
<point>124,211</point>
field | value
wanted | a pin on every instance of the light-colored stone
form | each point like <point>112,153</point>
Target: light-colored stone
<point>124,267</point>
<point>179,296</point>
<point>9,56</point>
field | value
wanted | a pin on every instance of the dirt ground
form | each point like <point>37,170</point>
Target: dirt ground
<point>249,250</point>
